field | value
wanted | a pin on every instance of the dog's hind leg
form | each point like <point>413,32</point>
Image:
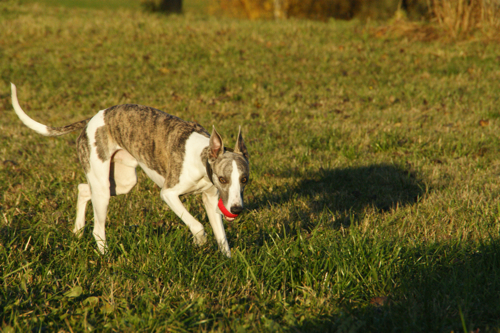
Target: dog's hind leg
<point>81,205</point>
<point>122,174</point>
<point>84,195</point>
<point>96,149</point>
<point>98,178</point>
<point>210,199</point>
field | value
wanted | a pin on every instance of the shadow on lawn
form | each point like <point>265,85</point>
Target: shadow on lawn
<point>441,288</point>
<point>348,191</point>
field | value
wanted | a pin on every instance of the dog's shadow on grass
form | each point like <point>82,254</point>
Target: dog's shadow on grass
<point>442,286</point>
<point>345,191</point>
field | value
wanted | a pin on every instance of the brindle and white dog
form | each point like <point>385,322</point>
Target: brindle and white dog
<point>179,156</point>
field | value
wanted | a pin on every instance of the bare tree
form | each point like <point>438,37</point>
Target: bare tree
<point>278,9</point>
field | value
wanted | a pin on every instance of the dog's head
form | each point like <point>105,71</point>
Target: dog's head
<point>230,173</point>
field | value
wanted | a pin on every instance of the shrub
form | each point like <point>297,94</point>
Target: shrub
<point>463,17</point>
<point>167,6</point>
<point>448,19</point>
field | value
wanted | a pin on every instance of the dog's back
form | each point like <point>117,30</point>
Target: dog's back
<point>155,138</point>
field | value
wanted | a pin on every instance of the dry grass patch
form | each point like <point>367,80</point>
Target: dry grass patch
<point>449,20</point>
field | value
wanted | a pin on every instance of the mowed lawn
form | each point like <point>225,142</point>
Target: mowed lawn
<point>375,177</point>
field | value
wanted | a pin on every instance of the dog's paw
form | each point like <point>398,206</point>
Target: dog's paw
<point>224,248</point>
<point>78,232</point>
<point>103,249</point>
<point>226,252</point>
<point>200,238</point>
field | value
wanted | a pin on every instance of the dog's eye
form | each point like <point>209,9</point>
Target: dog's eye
<point>244,180</point>
<point>222,180</point>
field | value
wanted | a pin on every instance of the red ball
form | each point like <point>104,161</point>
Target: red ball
<point>225,211</point>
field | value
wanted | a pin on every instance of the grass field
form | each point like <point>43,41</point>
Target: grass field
<point>373,203</point>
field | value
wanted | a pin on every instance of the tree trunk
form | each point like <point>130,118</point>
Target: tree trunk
<point>171,6</point>
<point>279,9</point>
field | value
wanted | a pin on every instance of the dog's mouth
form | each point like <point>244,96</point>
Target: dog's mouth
<point>227,214</point>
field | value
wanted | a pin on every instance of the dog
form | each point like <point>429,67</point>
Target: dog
<point>179,156</point>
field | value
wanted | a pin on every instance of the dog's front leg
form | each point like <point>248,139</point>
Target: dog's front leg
<point>172,199</point>
<point>210,199</point>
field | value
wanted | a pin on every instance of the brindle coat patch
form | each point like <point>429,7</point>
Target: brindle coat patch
<point>83,147</point>
<point>153,137</point>
<point>56,131</point>
<point>102,143</point>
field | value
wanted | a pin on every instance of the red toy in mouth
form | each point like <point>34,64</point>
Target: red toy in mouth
<point>224,211</point>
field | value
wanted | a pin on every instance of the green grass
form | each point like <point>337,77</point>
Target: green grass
<point>373,204</point>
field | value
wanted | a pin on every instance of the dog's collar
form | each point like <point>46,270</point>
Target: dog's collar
<point>209,171</point>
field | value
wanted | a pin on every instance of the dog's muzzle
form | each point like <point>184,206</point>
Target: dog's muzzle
<point>227,214</point>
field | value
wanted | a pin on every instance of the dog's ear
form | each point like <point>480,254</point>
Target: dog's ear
<point>240,146</point>
<point>216,146</point>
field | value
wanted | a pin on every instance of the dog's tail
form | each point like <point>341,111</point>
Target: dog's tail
<point>41,128</point>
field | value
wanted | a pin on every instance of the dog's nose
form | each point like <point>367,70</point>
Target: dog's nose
<point>236,209</point>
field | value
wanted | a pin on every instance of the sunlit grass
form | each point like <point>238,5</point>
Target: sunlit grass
<point>373,204</point>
